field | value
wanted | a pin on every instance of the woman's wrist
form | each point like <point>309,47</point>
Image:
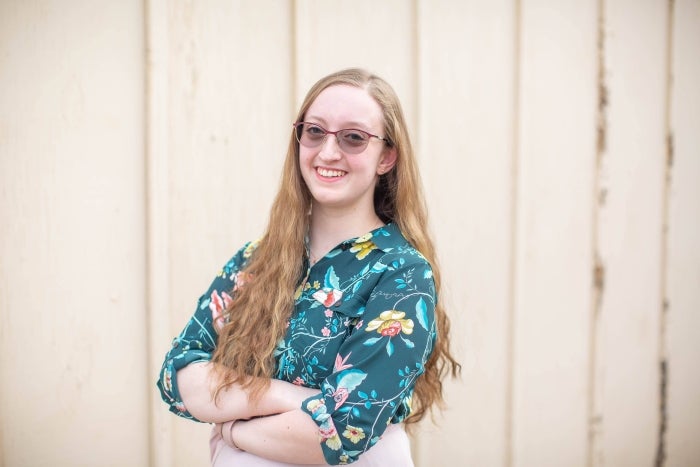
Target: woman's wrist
<point>227,434</point>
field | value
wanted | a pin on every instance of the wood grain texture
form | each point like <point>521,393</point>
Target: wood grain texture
<point>378,36</point>
<point>683,264</point>
<point>630,222</point>
<point>72,294</point>
<point>553,258</point>
<point>465,141</point>
<point>141,144</point>
<point>229,121</point>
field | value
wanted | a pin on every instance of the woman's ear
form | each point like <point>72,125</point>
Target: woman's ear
<point>387,161</point>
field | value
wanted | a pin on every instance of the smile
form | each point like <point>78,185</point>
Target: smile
<point>329,173</point>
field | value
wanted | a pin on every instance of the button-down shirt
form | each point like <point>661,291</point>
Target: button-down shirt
<point>361,332</point>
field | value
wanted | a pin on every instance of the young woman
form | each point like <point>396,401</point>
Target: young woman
<point>317,343</point>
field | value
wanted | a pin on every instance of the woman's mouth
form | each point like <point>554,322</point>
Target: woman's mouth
<point>329,173</point>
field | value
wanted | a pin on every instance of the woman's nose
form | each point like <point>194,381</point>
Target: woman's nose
<point>330,149</point>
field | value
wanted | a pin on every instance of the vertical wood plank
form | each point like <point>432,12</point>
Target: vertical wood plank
<point>467,82</point>
<point>630,219</point>
<point>72,299</point>
<point>161,447</point>
<point>556,150</point>
<point>229,96</point>
<point>683,260</point>
<point>379,36</point>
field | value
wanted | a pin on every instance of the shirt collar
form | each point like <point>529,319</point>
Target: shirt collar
<point>386,238</point>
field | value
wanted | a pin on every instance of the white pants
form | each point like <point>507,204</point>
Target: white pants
<point>393,449</point>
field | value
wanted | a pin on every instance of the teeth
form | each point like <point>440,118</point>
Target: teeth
<point>330,173</point>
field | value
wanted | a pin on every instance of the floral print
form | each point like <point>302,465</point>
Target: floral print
<point>390,323</point>
<point>354,434</point>
<point>363,246</point>
<point>361,332</point>
<point>218,304</point>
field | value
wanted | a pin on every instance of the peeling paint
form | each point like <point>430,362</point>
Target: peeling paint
<point>661,448</point>
<point>602,196</point>
<point>663,410</point>
<point>603,92</point>
<point>595,454</point>
<point>599,276</point>
<point>602,126</point>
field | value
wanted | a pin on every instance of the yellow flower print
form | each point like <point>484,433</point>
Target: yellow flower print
<point>314,404</point>
<point>251,248</point>
<point>362,246</point>
<point>334,442</point>
<point>354,434</point>
<point>365,238</point>
<point>327,432</point>
<point>409,401</point>
<point>390,323</point>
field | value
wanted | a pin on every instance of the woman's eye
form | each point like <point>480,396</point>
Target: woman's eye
<point>312,131</point>
<point>355,138</point>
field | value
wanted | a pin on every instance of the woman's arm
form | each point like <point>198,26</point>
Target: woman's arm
<point>287,437</point>
<point>198,381</point>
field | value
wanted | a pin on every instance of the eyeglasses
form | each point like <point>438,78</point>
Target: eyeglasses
<point>350,140</point>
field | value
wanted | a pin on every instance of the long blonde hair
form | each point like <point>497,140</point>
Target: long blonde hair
<point>259,311</point>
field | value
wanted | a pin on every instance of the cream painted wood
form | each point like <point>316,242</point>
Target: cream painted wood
<point>630,220</point>
<point>132,166</point>
<point>553,258</point>
<point>72,296</point>
<point>466,100</point>
<point>683,265</point>
<point>161,453</point>
<point>229,120</point>
<point>379,36</point>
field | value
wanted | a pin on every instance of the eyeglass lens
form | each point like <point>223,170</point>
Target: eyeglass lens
<point>350,141</point>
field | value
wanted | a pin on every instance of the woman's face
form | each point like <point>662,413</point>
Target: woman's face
<point>336,179</point>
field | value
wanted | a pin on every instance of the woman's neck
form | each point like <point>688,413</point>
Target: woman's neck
<point>329,228</point>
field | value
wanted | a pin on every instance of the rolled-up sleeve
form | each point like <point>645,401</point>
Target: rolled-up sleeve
<point>197,341</point>
<point>379,363</point>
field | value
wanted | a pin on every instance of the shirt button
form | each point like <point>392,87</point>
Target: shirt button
<point>176,343</point>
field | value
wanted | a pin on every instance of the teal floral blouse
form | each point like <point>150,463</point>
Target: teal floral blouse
<point>361,332</point>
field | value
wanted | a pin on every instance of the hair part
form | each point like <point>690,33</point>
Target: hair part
<point>244,354</point>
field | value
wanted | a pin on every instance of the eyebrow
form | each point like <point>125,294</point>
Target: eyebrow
<point>347,125</point>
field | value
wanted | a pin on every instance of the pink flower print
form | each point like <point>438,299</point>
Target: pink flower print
<point>298,381</point>
<point>328,313</point>
<point>168,383</point>
<point>340,362</point>
<point>217,305</point>
<point>339,396</point>
<point>326,332</point>
<point>392,329</point>
<point>327,430</point>
<point>328,297</point>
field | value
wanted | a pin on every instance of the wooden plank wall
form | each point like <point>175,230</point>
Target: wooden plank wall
<point>680,273</point>
<point>629,230</point>
<point>141,143</point>
<point>73,371</point>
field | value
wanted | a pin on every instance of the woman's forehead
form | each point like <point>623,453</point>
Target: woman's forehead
<point>346,105</point>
